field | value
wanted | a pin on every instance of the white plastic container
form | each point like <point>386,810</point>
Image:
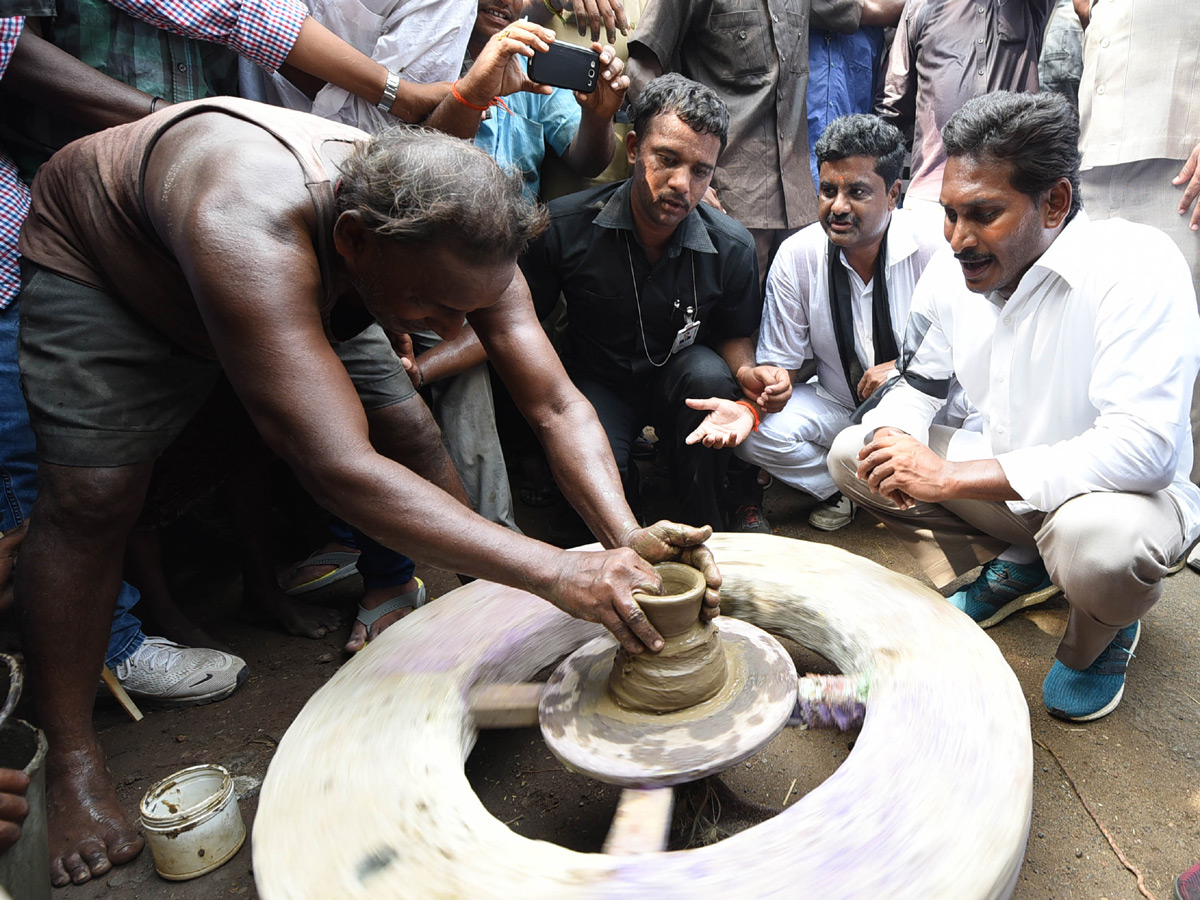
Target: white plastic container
<point>192,822</point>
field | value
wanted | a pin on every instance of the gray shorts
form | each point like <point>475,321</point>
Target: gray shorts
<point>106,389</point>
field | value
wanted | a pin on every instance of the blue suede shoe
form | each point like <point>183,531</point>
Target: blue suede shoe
<point>1081,696</point>
<point>1002,589</point>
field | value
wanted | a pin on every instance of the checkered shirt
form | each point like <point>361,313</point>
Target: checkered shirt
<point>14,196</point>
<point>263,31</point>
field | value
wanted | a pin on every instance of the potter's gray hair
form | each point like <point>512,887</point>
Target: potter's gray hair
<point>421,186</point>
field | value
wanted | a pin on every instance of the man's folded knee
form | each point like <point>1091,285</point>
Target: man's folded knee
<point>843,456</point>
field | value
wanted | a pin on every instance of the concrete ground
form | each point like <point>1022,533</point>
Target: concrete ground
<point>1116,797</point>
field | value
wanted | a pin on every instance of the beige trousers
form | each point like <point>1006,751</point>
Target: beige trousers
<point>1107,551</point>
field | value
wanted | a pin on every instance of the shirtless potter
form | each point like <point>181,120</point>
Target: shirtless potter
<point>234,253</point>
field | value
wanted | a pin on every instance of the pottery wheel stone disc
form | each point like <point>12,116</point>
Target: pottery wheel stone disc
<point>592,734</point>
<point>366,797</point>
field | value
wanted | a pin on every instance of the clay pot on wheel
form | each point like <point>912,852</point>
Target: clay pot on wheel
<point>691,666</point>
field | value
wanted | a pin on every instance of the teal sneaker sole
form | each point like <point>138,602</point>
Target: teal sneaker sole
<point>1108,707</point>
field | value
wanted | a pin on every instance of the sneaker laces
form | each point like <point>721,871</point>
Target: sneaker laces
<point>1114,660</point>
<point>155,653</point>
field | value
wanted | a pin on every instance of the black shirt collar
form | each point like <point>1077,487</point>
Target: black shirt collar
<point>618,213</point>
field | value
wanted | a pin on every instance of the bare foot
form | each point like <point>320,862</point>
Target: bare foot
<point>371,599</point>
<point>89,831</point>
<point>301,575</point>
<point>296,618</point>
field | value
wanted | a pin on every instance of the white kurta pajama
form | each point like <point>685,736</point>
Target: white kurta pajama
<point>797,326</point>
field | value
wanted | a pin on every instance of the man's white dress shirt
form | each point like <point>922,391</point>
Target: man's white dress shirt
<point>797,322</point>
<point>424,40</point>
<point>797,325</point>
<point>1083,376</point>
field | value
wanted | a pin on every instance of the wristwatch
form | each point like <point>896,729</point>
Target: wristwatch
<point>389,92</point>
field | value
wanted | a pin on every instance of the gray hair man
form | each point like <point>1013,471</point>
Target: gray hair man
<point>230,237</point>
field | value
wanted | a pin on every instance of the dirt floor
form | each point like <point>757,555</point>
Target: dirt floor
<point>1127,786</point>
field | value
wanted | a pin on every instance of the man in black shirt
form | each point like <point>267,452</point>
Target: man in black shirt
<point>662,294</point>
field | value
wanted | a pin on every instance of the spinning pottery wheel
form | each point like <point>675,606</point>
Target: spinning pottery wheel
<point>366,796</point>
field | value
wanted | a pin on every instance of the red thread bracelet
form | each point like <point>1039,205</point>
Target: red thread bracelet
<point>753,409</point>
<point>463,100</point>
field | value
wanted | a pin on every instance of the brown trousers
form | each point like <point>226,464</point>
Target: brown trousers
<point>1107,551</point>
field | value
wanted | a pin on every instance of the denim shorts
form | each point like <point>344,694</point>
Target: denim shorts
<point>104,388</point>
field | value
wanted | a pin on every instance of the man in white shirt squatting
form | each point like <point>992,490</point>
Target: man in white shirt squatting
<point>837,299</point>
<point>1078,342</point>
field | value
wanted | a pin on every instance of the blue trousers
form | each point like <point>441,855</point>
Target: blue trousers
<point>379,566</point>
<point>18,481</point>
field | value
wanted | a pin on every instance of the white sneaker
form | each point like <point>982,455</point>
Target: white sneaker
<point>832,514</point>
<point>171,674</point>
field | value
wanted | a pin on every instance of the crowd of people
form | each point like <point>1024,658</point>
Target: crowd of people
<point>216,212</point>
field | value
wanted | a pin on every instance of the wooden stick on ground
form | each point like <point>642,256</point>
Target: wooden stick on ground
<point>127,704</point>
<point>506,705</point>
<point>641,823</point>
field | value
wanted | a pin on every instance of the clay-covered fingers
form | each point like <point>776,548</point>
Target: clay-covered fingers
<point>682,543</point>
<point>700,557</point>
<point>598,586</point>
<point>631,627</point>
<point>1189,176</point>
<point>667,540</point>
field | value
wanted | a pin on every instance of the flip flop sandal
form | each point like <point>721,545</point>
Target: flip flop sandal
<point>345,560</point>
<point>414,598</point>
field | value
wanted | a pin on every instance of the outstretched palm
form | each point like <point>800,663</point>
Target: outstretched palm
<point>727,424</point>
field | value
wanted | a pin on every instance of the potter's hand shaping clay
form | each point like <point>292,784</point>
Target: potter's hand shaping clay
<point>665,541</point>
<point>598,586</point>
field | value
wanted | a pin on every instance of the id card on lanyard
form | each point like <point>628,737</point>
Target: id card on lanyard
<point>686,336</point>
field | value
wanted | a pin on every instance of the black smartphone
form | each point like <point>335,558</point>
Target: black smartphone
<point>566,66</point>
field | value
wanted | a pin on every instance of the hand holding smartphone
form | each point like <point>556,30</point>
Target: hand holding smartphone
<point>566,66</point>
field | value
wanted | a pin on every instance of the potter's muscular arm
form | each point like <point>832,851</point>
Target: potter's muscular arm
<point>241,229</point>
<point>564,421</point>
